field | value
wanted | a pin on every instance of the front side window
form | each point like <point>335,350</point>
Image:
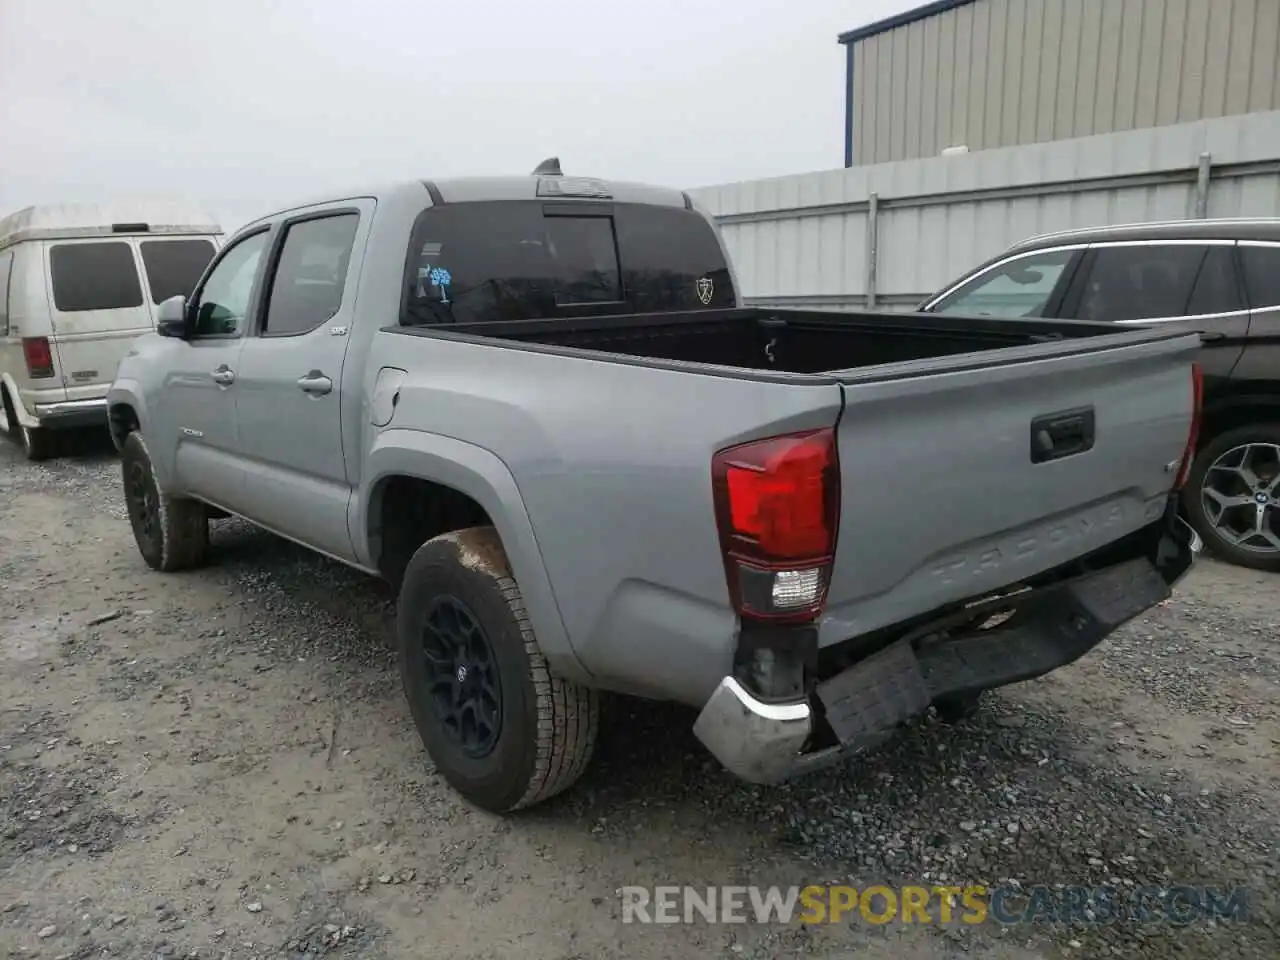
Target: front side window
<point>224,299</point>
<point>1261,275</point>
<point>174,266</point>
<point>94,276</point>
<point>1144,281</point>
<point>1021,287</point>
<point>525,260</point>
<point>311,274</point>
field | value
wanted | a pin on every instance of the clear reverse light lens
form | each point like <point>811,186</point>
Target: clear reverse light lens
<point>796,588</point>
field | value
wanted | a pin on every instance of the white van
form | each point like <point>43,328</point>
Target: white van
<point>78,282</point>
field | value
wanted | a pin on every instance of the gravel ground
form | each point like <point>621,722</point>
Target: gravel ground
<point>224,767</point>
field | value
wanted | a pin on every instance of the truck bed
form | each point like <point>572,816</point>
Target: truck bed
<point>948,494</point>
<point>788,341</point>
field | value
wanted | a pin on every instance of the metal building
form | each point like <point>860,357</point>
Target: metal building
<point>997,73</point>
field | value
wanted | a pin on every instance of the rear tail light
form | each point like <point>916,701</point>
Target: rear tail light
<point>777,508</point>
<point>39,357</point>
<point>1193,436</point>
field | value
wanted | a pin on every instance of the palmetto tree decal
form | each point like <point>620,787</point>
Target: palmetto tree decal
<point>441,278</point>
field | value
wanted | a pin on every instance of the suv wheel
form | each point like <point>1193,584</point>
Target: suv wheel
<point>501,728</point>
<point>1232,497</point>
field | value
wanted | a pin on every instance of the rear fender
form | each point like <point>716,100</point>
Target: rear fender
<point>479,474</point>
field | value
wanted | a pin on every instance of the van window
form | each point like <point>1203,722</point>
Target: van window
<point>174,266</point>
<point>6,267</point>
<point>94,276</point>
<point>526,260</point>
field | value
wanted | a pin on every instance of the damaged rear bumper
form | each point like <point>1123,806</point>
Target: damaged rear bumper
<point>767,742</point>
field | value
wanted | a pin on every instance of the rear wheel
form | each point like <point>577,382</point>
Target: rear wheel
<point>499,726</point>
<point>37,444</point>
<point>172,533</point>
<point>1232,496</point>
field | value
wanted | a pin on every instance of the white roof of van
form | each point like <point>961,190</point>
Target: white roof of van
<point>71,220</point>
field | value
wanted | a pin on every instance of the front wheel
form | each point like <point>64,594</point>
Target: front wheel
<point>172,533</point>
<point>501,728</point>
<point>1232,496</point>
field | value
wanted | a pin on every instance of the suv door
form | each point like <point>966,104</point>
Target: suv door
<point>289,389</point>
<point>1193,284</point>
<point>1027,284</point>
<point>198,404</point>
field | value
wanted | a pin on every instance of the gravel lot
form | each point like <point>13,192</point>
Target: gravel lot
<point>226,768</point>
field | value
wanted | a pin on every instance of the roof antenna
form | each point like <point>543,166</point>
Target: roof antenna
<point>549,167</point>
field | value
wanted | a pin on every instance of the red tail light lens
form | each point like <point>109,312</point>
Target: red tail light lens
<point>1193,437</point>
<point>777,509</point>
<point>39,357</point>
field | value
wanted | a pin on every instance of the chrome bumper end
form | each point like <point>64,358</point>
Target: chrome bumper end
<point>757,741</point>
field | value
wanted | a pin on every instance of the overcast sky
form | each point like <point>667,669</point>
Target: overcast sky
<point>247,104</point>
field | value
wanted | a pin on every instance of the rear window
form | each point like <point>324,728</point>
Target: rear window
<point>94,276</point>
<point>528,260</point>
<point>174,266</point>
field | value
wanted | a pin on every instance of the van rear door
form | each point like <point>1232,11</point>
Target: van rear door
<point>99,301</point>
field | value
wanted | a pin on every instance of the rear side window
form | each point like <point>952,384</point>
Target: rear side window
<point>174,266</point>
<point>311,274</point>
<point>526,260</point>
<point>1144,281</point>
<point>1216,289</point>
<point>94,276</point>
<point>1261,275</point>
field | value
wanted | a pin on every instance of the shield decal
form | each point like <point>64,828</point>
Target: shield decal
<point>706,289</point>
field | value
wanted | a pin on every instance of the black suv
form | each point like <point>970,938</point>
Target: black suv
<point>1220,277</point>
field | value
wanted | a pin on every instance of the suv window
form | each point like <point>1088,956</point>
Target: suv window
<point>310,275</point>
<point>1261,275</point>
<point>1021,287</point>
<point>224,299</point>
<point>94,276</point>
<point>1217,289</point>
<point>1140,282</point>
<point>174,266</point>
<point>527,260</point>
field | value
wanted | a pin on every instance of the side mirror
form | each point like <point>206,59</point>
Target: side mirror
<point>171,318</point>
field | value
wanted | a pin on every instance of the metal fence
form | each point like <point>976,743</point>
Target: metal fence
<point>889,235</point>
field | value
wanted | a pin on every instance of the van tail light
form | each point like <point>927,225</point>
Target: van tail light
<point>777,507</point>
<point>39,357</point>
<point>1193,437</point>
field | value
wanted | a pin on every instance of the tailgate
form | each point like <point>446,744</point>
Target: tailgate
<point>948,491</point>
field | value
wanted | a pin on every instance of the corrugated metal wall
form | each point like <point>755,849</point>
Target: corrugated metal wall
<point>807,240</point>
<point>997,73</point>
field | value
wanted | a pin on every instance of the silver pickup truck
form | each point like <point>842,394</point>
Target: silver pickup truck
<point>537,405</point>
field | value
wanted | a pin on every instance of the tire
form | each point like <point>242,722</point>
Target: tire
<point>172,533</point>
<point>542,734</point>
<point>956,708</point>
<point>1221,450</point>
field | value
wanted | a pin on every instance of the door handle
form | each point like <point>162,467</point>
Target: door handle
<point>315,383</point>
<point>223,376</point>
<point>1063,434</point>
